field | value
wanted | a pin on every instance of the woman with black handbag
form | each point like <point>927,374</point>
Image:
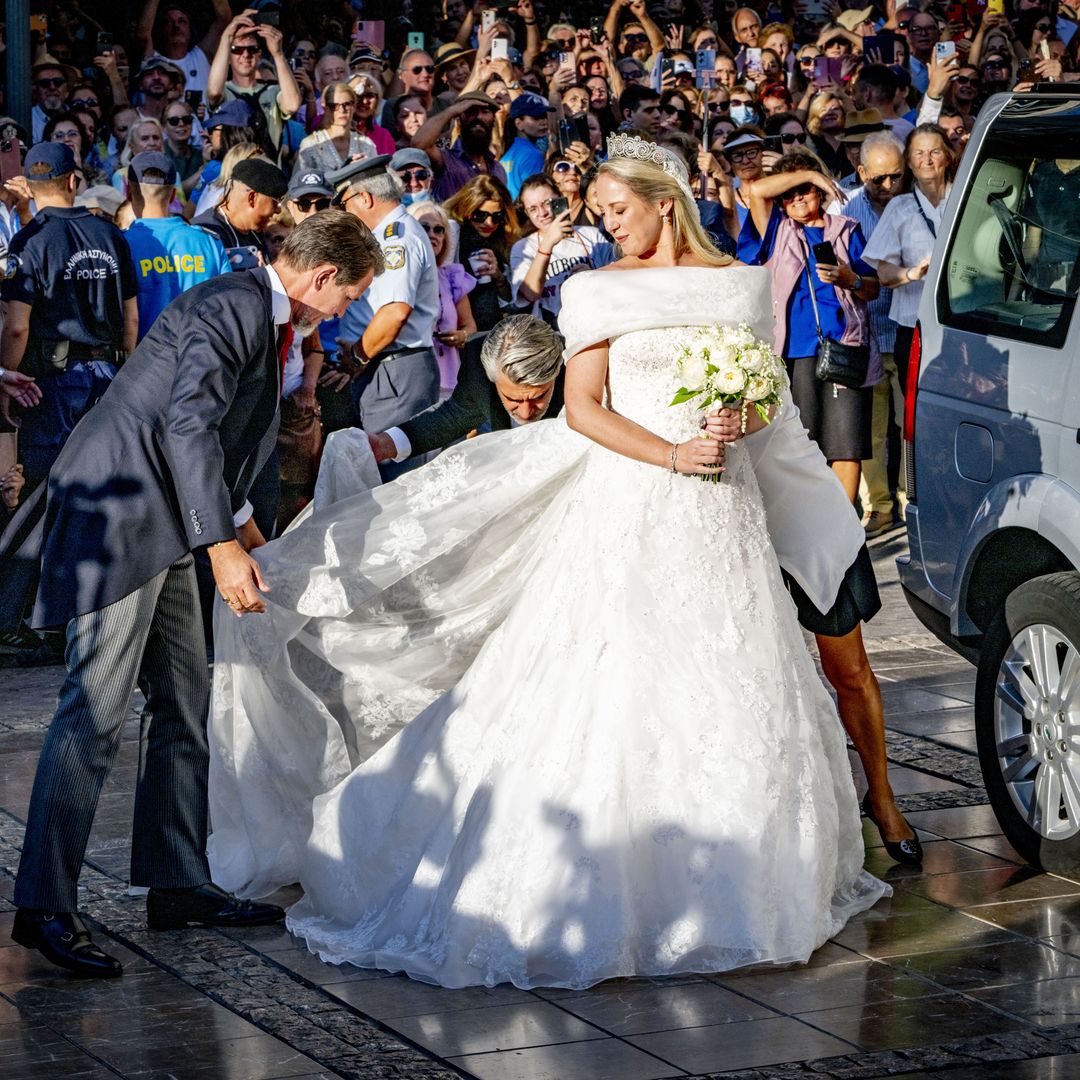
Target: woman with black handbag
<point>820,289</point>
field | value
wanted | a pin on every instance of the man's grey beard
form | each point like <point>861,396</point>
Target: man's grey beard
<point>304,327</point>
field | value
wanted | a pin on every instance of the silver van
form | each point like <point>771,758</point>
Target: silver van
<point>992,441</point>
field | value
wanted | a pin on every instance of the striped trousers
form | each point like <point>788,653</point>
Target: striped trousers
<point>153,638</point>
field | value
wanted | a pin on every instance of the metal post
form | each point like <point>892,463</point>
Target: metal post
<point>18,60</point>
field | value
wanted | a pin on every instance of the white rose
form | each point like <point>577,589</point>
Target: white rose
<point>730,381</point>
<point>757,388</point>
<point>693,371</point>
<point>752,360</point>
<point>725,357</point>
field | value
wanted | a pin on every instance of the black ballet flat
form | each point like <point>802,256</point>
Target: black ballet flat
<point>906,852</point>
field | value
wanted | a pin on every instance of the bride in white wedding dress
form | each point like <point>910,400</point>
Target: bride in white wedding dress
<point>549,692</point>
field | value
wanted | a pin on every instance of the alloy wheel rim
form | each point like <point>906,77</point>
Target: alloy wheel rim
<point>1037,729</point>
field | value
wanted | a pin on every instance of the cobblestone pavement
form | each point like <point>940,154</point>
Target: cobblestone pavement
<point>971,972</point>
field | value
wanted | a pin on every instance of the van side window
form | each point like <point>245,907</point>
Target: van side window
<point>1013,265</point>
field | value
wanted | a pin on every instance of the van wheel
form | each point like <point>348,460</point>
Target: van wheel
<point>1027,719</point>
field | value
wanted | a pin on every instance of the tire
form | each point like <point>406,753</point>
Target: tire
<point>1027,719</point>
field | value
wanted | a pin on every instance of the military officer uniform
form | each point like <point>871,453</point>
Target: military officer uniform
<point>404,379</point>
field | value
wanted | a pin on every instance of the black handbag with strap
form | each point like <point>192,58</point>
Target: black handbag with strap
<point>837,362</point>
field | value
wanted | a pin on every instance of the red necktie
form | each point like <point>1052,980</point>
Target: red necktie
<point>284,343</point>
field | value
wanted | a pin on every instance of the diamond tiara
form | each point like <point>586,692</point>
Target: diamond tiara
<point>621,145</point>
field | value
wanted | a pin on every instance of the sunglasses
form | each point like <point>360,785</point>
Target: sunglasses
<point>417,68</point>
<point>85,103</point>
<point>892,177</point>
<point>250,50</point>
<point>178,121</point>
<point>567,43</point>
<point>799,192</point>
<point>1043,28</point>
<point>482,217</point>
<point>306,203</point>
<point>789,137</point>
<point>635,39</point>
<point>417,176</point>
<point>433,230</point>
<point>563,167</point>
<point>50,84</point>
<point>672,110</point>
<point>967,80</point>
<point>720,106</point>
<point>808,61</point>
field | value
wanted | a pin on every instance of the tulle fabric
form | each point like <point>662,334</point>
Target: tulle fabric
<point>539,714</point>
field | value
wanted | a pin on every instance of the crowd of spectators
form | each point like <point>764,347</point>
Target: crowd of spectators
<point>802,124</point>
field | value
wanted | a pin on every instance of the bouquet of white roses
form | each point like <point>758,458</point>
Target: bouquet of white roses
<point>728,366</point>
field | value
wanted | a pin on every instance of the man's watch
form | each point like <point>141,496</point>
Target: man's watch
<point>513,85</point>
<point>360,357</point>
<point>857,284</point>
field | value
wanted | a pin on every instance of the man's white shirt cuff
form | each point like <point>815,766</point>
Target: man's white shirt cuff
<point>243,515</point>
<point>401,443</point>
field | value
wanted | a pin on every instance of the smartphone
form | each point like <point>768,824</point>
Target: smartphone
<point>39,24</point>
<point>372,32</point>
<point>245,257</point>
<point>559,206</point>
<point>487,18</point>
<point>596,29</point>
<point>945,50</point>
<point>705,60</point>
<point>415,39</point>
<point>824,253</point>
<point>10,158</point>
<point>104,43</point>
<point>883,44</point>
<point>774,144</point>
<point>1025,71</point>
<point>267,18</point>
<point>995,7</point>
<point>193,98</point>
<point>821,71</point>
<point>580,125</point>
<point>752,63</point>
<point>500,49</point>
<point>567,61</point>
<point>1044,49</point>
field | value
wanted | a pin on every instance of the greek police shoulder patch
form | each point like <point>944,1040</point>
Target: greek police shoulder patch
<point>394,256</point>
<point>395,228</point>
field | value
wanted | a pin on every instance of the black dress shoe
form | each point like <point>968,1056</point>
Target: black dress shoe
<point>906,852</point>
<point>62,938</point>
<point>205,905</point>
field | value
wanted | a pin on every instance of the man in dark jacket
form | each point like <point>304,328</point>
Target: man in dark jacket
<point>512,377</point>
<point>160,468</point>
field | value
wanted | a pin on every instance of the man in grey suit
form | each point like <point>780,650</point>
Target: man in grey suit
<point>511,376</point>
<point>160,468</point>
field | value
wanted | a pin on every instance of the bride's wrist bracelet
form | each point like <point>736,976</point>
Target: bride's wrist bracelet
<point>674,456</point>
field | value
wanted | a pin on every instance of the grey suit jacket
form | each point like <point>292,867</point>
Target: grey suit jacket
<point>161,464</point>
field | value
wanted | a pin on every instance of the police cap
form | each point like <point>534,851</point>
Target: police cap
<point>48,161</point>
<point>261,176</point>
<point>309,182</point>
<point>358,170</point>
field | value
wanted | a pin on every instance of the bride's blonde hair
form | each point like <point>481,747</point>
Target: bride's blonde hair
<point>651,184</point>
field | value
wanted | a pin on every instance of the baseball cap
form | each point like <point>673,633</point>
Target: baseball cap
<point>410,156</point>
<point>859,123</point>
<point>364,54</point>
<point>231,114</point>
<point>261,176</point>
<point>101,197</point>
<point>527,104</point>
<point>48,161</point>
<point>850,19</point>
<point>746,139</point>
<point>310,182</point>
<point>151,160</point>
<point>159,63</point>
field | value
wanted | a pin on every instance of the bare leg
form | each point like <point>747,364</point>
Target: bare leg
<point>848,670</point>
<point>847,472</point>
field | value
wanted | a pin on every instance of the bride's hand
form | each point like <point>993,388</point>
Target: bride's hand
<point>699,457</point>
<point>725,425</point>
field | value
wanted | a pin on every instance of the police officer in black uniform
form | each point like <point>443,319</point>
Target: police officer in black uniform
<point>72,314</point>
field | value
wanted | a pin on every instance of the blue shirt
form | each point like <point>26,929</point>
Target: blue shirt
<point>410,277</point>
<point>802,337</point>
<point>522,160</point>
<point>170,257</point>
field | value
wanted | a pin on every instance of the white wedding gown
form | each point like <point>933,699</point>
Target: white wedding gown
<point>539,713</point>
